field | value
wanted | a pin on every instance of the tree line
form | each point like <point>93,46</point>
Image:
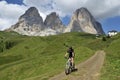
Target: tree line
<point>6,44</point>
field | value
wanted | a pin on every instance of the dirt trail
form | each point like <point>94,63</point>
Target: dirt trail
<point>88,70</point>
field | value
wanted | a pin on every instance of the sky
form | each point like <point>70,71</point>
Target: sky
<point>107,12</point>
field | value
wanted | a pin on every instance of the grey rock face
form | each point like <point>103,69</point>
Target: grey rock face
<point>29,21</point>
<point>31,17</point>
<point>53,21</point>
<point>99,28</point>
<point>83,21</point>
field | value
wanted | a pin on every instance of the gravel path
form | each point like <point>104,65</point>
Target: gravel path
<point>88,70</point>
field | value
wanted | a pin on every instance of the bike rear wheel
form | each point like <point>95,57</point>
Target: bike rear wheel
<point>67,68</point>
<point>68,71</point>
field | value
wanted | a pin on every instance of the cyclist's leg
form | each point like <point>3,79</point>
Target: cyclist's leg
<point>72,60</point>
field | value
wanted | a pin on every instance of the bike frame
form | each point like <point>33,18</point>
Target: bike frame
<point>68,67</point>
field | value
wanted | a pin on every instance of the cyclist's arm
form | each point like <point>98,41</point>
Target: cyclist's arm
<point>66,54</point>
<point>73,54</point>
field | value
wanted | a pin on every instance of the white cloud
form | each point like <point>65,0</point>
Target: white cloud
<point>100,9</point>
<point>44,6</point>
<point>103,9</point>
<point>69,6</point>
<point>4,23</point>
<point>9,13</point>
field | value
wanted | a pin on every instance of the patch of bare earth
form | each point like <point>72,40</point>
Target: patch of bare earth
<point>88,70</point>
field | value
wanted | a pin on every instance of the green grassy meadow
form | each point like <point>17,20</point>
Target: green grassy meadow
<point>33,58</point>
<point>111,67</point>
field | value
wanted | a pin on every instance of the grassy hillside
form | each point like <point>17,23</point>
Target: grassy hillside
<point>40,57</point>
<point>111,68</point>
<point>30,58</point>
<point>8,40</point>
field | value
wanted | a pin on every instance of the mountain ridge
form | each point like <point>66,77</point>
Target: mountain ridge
<point>32,24</point>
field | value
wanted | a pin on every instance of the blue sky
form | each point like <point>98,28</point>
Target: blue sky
<point>111,24</point>
<point>107,12</point>
<point>20,2</point>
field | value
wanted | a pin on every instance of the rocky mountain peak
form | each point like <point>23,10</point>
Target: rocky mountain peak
<point>80,10</point>
<point>30,21</point>
<point>53,21</point>
<point>53,14</point>
<point>82,13</point>
<point>31,12</point>
<point>83,21</point>
<point>31,16</point>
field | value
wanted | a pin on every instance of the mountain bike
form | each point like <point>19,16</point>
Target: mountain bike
<point>69,67</point>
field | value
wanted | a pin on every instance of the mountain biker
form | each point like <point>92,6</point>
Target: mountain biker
<point>71,54</point>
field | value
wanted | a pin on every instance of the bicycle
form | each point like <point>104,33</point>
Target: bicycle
<point>69,67</point>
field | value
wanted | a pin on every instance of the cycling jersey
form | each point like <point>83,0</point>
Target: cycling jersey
<point>70,52</point>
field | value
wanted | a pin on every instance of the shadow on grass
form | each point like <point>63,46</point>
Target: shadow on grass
<point>9,59</point>
<point>13,63</point>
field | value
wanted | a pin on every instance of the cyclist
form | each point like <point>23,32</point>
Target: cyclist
<point>71,54</point>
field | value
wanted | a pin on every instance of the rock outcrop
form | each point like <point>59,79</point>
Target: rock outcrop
<point>29,23</point>
<point>83,21</point>
<point>53,21</point>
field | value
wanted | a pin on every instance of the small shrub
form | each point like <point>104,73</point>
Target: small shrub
<point>104,39</point>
